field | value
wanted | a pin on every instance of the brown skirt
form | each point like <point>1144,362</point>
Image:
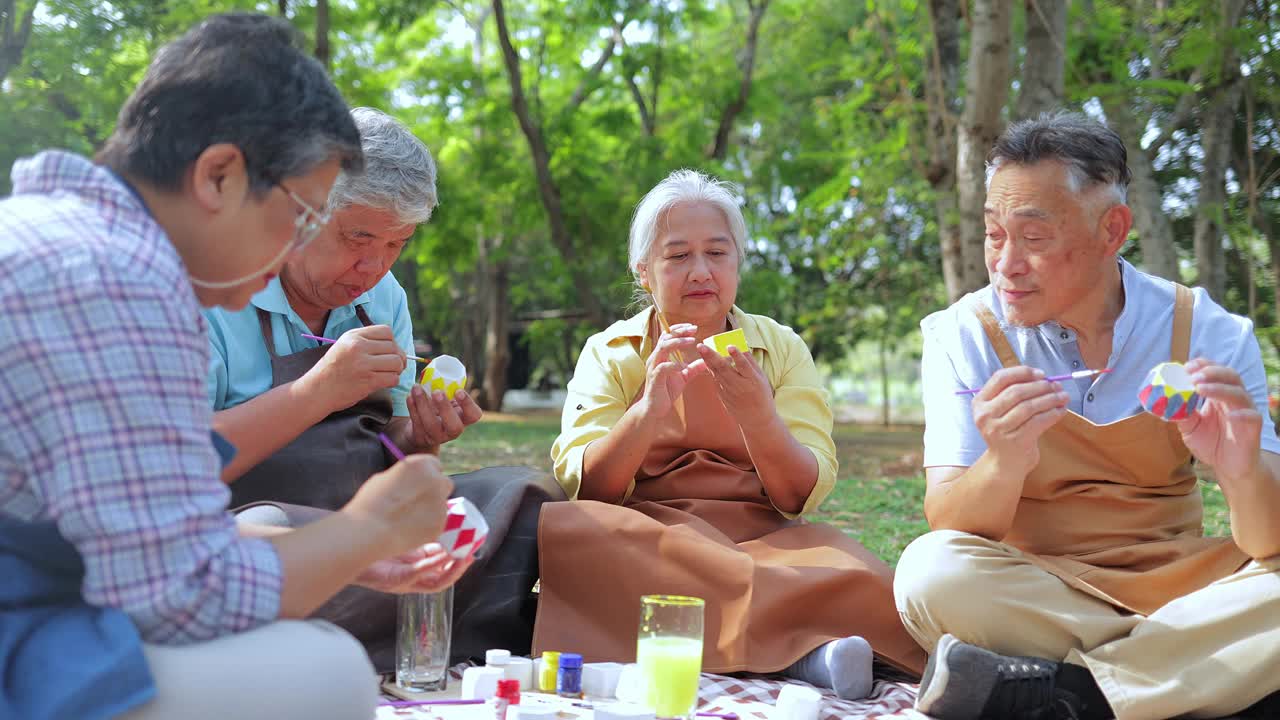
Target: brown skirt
<point>775,588</point>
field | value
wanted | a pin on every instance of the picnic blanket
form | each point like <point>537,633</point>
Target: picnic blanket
<point>752,697</point>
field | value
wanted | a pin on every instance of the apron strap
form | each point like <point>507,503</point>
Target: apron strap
<point>364,317</point>
<point>264,321</point>
<point>1183,302</point>
<point>995,335</point>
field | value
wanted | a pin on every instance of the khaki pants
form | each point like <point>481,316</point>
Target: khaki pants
<point>288,669</point>
<point>1211,653</point>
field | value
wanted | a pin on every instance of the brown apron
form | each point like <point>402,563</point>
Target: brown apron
<point>1113,510</point>
<point>324,467</point>
<point>699,523</point>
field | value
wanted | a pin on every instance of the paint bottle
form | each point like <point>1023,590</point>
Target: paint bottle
<point>508,694</point>
<point>550,668</point>
<point>497,658</point>
<point>569,677</point>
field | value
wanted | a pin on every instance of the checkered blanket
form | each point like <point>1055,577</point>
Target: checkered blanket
<point>752,698</point>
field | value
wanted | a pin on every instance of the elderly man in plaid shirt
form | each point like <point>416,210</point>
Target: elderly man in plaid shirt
<point>127,588</point>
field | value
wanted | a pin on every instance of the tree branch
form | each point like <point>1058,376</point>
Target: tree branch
<point>739,103</point>
<point>587,84</point>
<point>14,44</point>
<point>628,73</point>
<point>548,191</point>
<point>1183,116</point>
<point>656,73</point>
<point>322,33</point>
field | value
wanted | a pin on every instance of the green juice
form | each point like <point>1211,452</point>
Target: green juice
<point>670,667</point>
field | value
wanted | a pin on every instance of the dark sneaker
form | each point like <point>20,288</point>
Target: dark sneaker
<point>1268,708</point>
<point>965,682</point>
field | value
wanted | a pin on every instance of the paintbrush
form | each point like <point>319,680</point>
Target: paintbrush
<point>317,338</point>
<point>1053,378</point>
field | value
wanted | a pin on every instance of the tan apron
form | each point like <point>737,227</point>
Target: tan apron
<point>1113,510</point>
<point>699,523</point>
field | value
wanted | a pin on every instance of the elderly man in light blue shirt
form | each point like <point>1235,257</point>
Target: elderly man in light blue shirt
<point>306,415</point>
<point>1067,574</point>
<point>340,289</point>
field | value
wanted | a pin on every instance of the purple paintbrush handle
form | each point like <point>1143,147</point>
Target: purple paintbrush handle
<point>420,703</point>
<point>396,452</point>
<point>1051,378</point>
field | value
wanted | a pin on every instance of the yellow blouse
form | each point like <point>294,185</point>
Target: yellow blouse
<point>610,377</point>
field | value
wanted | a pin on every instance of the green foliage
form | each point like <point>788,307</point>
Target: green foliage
<point>829,149</point>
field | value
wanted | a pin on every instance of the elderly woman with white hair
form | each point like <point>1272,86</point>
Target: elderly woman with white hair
<point>304,416</point>
<point>691,471</point>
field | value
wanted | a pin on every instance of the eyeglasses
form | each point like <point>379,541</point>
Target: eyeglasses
<point>309,223</point>
<point>305,229</point>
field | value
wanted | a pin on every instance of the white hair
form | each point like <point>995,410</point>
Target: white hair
<point>682,187</point>
<point>399,172</point>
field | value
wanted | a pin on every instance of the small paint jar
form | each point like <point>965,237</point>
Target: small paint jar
<point>497,658</point>
<point>508,694</point>
<point>550,668</point>
<point>569,677</point>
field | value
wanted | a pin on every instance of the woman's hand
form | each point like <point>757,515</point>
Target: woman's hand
<point>665,379</point>
<point>741,384</point>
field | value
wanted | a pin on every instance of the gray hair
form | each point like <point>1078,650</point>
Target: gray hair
<point>399,173</point>
<point>237,78</point>
<point>682,187</point>
<point>1093,153</point>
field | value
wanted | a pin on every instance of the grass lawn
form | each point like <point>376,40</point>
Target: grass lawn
<point>878,498</point>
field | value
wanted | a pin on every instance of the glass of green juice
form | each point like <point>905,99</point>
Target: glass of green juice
<point>669,653</point>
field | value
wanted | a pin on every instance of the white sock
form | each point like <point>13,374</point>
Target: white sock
<point>843,665</point>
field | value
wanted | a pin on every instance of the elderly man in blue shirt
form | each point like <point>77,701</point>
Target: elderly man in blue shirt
<point>1068,575</point>
<point>305,415</point>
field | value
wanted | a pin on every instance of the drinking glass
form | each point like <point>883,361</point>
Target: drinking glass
<point>423,630</point>
<point>669,653</point>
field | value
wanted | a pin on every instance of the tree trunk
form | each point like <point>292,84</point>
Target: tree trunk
<point>1262,222</point>
<point>548,191</point>
<point>1215,141</point>
<point>885,405</point>
<point>468,332</point>
<point>747,65</point>
<point>282,6</point>
<point>1045,63</point>
<point>497,350</point>
<point>941,99</point>
<point>14,34</point>
<point>987,92</point>
<point>322,32</point>
<point>1155,232</point>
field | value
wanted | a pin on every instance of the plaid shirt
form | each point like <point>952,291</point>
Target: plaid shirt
<point>104,421</point>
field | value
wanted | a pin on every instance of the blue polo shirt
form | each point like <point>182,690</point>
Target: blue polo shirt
<point>240,366</point>
<point>958,355</point>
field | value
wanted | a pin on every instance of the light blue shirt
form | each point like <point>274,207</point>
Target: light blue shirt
<point>240,366</point>
<point>957,355</point>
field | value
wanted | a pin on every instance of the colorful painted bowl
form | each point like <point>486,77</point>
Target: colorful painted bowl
<point>1169,393</point>
<point>446,373</point>
<point>721,343</point>
<point>464,528</point>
